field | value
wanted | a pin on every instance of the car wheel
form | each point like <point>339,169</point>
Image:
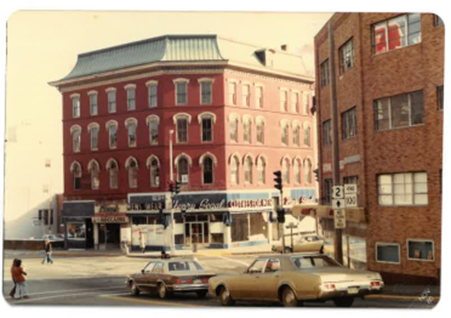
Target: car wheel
<point>225,297</point>
<point>134,289</point>
<point>289,298</point>
<point>343,302</point>
<point>201,293</point>
<point>162,291</point>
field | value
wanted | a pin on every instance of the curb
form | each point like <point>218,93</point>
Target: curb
<point>85,255</point>
<point>402,297</point>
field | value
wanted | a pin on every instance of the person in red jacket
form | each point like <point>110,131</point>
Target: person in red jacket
<point>18,275</point>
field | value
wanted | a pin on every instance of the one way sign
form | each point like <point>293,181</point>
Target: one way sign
<point>338,204</point>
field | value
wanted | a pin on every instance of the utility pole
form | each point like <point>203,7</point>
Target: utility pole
<point>171,178</point>
<point>338,246</point>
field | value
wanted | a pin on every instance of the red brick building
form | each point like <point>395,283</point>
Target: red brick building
<point>238,112</point>
<point>389,72</point>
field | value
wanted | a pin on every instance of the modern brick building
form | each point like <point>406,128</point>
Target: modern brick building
<point>238,112</point>
<point>389,71</point>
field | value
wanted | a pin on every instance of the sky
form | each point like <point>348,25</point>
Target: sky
<point>42,46</point>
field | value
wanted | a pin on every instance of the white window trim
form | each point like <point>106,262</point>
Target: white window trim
<point>108,125</point>
<point>129,159</point>
<point>130,86</point>
<point>73,164</point>
<point>75,127</point>
<point>205,80</point>
<point>215,163</point>
<point>177,81</point>
<point>232,81</point>
<point>148,85</point>
<point>413,193</point>
<point>257,160</point>
<point>248,155</point>
<point>190,164</point>
<point>127,88</point>
<point>149,166</point>
<point>207,115</point>
<point>293,108</point>
<point>72,97</point>
<point>281,92</point>
<point>420,259</point>
<point>388,244</point>
<point>182,116</point>
<point>235,156</point>
<point>90,126</point>
<point>262,86</point>
<point>108,90</point>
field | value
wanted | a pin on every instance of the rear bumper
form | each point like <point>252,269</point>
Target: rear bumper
<point>189,287</point>
<point>350,290</point>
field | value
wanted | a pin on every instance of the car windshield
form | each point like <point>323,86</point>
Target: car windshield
<point>177,266</point>
<point>304,262</point>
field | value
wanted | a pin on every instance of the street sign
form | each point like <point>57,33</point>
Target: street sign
<point>339,219</point>
<point>337,192</point>
<point>292,226</point>
<point>338,204</point>
<point>350,188</point>
<point>37,223</point>
<point>351,200</point>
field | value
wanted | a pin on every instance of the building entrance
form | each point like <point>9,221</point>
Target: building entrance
<point>109,236</point>
<point>197,233</point>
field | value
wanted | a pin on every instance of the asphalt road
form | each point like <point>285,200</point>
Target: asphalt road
<point>100,282</point>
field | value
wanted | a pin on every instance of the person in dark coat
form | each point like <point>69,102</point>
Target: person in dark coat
<point>48,252</point>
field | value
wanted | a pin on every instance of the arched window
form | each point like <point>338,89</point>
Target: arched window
<point>112,133</point>
<point>153,122</point>
<point>260,122</point>
<point>233,121</point>
<point>93,128</point>
<point>247,129</point>
<point>76,138</point>
<point>182,121</point>
<point>307,131</point>
<point>306,103</point>
<point>206,122</point>
<point>295,102</point>
<point>234,170</point>
<point>183,170</point>
<point>153,163</point>
<point>285,126</point>
<point>94,170</point>
<point>297,171</point>
<point>76,175</point>
<point>248,167</point>
<point>296,138</point>
<point>131,124</point>
<point>132,167</point>
<point>113,171</point>
<point>308,171</point>
<point>286,170</point>
<point>261,169</point>
<point>207,170</point>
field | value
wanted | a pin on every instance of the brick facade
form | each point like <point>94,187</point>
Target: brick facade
<point>418,67</point>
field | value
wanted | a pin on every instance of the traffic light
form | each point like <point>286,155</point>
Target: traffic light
<point>316,172</point>
<point>177,187</point>
<point>171,186</point>
<point>278,180</point>
<point>281,215</point>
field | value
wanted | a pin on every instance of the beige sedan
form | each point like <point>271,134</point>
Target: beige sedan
<point>295,278</point>
<point>307,243</point>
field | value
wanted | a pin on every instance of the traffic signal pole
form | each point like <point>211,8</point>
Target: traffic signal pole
<point>335,146</point>
<point>280,211</point>
<point>171,178</point>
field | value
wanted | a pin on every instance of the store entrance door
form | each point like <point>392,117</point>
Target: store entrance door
<point>198,233</point>
<point>109,236</point>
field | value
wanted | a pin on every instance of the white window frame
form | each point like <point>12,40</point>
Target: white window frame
<point>107,91</point>
<point>127,123</point>
<point>176,164</point>
<point>205,80</point>
<point>92,94</point>
<point>128,89</point>
<point>388,244</point>
<point>73,129</point>
<point>90,128</point>
<point>150,85</point>
<point>108,168</point>
<point>200,118</point>
<point>258,87</point>
<point>285,124</point>
<point>247,120</point>
<point>73,98</point>
<point>235,159</point>
<point>180,81</point>
<point>248,158</point>
<point>109,124</point>
<point>213,167</point>
<point>264,161</point>
<point>233,117</point>
<point>295,102</point>
<point>423,241</point>
<point>260,121</point>
<point>246,96</point>
<point>149,120</point>
<point>284,102</point>
<point>127,168</point>
<point>232,98</point>
<point>393,189</point>
<point>93,161</point>
<point>175,118</point>
<point>154,184</point>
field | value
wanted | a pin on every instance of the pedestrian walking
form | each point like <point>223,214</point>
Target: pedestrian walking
<point>142,241</point>
<point>48,252</point>
<point>19,278</point>
<point>13,290</point>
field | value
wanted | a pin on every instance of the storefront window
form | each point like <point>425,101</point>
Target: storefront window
<point>240,228</point>
<point>76,231</point>
<point>259,229</point>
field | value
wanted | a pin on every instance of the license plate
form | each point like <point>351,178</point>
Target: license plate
<point>197,281</point>
<point>353,290</point>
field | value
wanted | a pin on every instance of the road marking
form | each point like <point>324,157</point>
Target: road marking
<point>75,290</point>
<point>399,297</point>
<point>152,301</point>
<point>21,301</point>
<point>234,260</point>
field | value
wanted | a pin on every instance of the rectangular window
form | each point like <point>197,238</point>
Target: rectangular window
<point>285,135</point>
<point>437,21</point>
<point>182,93</point>
<point>153,97</point>
<point>76,231</point>
<point>399,111</point>
<point>295,102</point>
<point>327,191</point>
<point>206,95</point>
<point>131,99</point>
<point>234,130</point>
<point>349,123</point>
<point>440,97</point>
<point>398,32</point>
<point>93,104</point>
<point>94,138</point>
<point>346,53</point>
<point>207,132</point>
<point>76,107</point>
<point>44,216</point>
<point>246,95</point>
<point>296,139</point>
<point>182,130</point>
<point>284,100</point>
<point>259,96</point>
<point>113,136</point>
<point>153,131</point>
<point>240,227</point>
<point>327,132</point>
<point>325,73</point>
<point>112,101</point>
<point>420,250</point>
<point>232,93</point>
<point>403,189</point>
<point>387,253</point>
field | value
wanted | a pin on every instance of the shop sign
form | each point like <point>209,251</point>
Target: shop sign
<point>110,206</point>
<point>112,218</point>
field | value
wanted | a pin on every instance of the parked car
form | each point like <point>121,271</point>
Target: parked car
<point>296,278</point>
<point>301,243</point>
<point>167,276</point>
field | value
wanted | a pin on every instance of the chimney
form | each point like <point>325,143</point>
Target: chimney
<point>284,47</point>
